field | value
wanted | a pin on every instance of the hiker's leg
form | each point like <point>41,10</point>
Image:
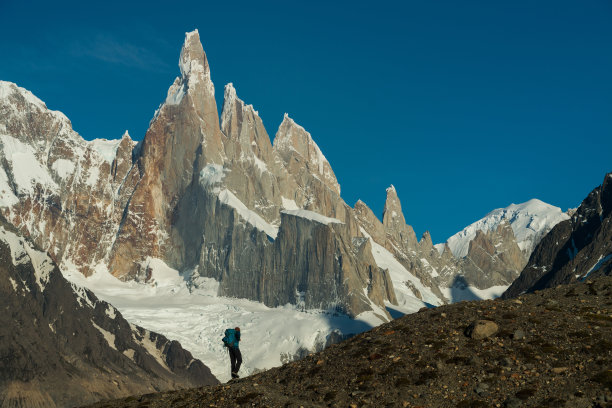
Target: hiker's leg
<point>232,359</point>
<point>238,359</point>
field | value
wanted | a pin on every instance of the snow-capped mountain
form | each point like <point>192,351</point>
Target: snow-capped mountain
<point>576,249</point>
<point>61,346</point>
<point>211,198</point>
<point>530,221</point>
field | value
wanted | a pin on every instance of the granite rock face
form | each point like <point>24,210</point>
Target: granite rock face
<point>494,257</point>
<point>208,195</point>
<point>575,249</point>
<point>61,346</point>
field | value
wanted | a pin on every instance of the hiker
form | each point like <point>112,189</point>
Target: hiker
<point>231,340</point>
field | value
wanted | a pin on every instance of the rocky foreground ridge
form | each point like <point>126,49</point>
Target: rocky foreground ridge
<point>552,348</point>
<point>61,346</point>
<point>212,196</point>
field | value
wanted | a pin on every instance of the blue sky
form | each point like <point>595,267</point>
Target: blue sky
<point>464,106</point>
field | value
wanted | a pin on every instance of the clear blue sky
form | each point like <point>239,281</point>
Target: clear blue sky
<point>465,106</point>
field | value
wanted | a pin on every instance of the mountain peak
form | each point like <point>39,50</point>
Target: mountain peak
<point>192,62</point>
<point>229,92</point>
<point>293,139</point>
<point>530,221</point>
<point>392,214</point>
<point>426,240</point>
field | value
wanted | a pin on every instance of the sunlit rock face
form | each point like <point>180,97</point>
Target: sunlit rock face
<point>205,194</point>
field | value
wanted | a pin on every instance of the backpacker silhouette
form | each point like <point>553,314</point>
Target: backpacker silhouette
<point>231,340</point>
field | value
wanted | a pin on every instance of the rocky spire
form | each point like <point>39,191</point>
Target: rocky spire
<point>392,214</point>
<point>241,123</point>
<point>369,222</point>
<point>183,137</point>
<point>193,62</point>
<point>394,221</point>
<point>292,139</point>
<point>425,241</point>
<point>195,81</point>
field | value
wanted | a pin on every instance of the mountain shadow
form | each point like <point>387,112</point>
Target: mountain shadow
<point>460,291</point>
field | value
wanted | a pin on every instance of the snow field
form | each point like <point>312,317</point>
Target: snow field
<point>198,317</point>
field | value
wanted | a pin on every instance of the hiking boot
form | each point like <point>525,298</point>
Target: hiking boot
<point>235,375</point>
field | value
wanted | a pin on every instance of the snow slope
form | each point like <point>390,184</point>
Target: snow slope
<point>530,221</point>
<point>197,317</point>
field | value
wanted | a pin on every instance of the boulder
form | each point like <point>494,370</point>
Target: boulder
<point>481,329</point>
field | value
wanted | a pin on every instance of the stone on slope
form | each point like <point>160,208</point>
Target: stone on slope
<point>481,329</point>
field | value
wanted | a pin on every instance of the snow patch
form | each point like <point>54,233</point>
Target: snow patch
<point>7,197</point>
<point>288,204</point>
<point>93,176</point>
<point>63,168</point>
<point>27,170</point>
<point>460,293</point>
<point>399,275</point>
<point>108,336</point>
<point>212,175</point>
<point>228,198</point>
<point>600,262</point>
<point>82,296</point>
<point>150,346</point>
<point>107,149</point>
<point>111,312</point>
<point>14,284</point>
<point>129,353</point>
<point>176,92</point>
<point>313,216</point>
<point>22,253</point>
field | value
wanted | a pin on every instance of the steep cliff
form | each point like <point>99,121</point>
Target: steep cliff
<point>575,249</point>
<point>205,194</point>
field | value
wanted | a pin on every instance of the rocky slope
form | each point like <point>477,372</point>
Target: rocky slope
<point>61,346</point>
<point>548,349</point>
<point>575,249</point>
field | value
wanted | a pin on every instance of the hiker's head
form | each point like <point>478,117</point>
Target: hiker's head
<point>237,328</point>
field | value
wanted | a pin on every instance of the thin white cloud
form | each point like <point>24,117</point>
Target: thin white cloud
<point>113,51</point>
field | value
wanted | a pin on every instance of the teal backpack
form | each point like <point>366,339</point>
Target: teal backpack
<point>230,339</point>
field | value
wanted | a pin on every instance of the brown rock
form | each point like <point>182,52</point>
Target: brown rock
<point>481,329</point>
